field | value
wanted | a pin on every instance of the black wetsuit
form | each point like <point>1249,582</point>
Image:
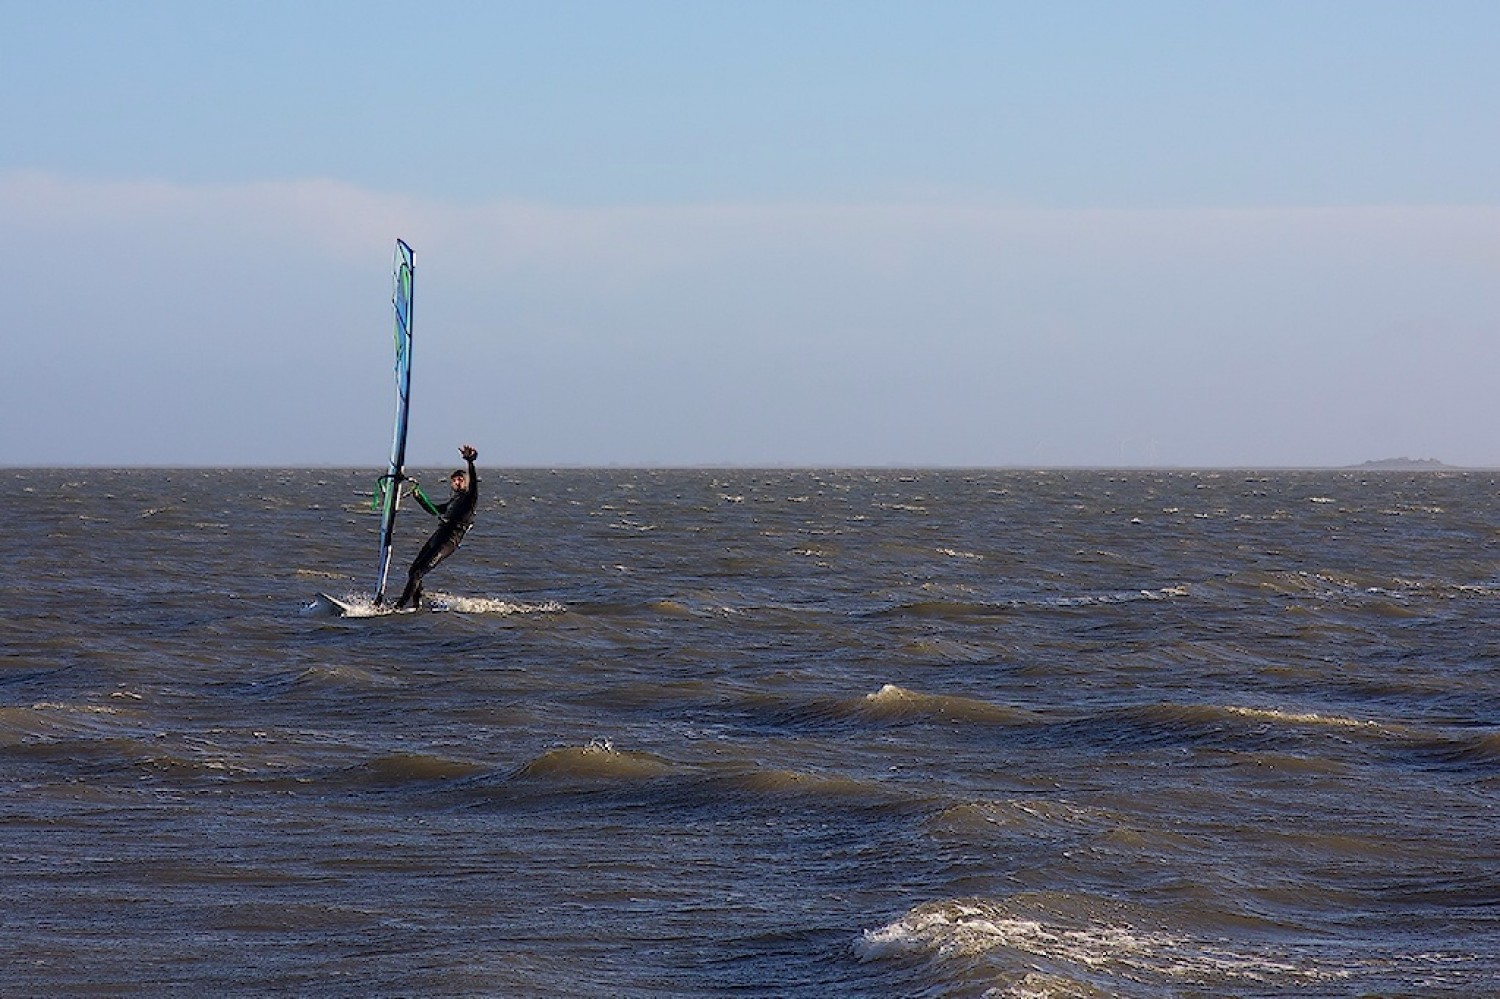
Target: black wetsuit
<point>455,517</point>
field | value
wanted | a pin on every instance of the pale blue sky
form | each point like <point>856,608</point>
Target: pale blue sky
<point>1198,233</point>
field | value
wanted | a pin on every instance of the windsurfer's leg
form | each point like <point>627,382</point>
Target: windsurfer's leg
<point>438,547</point>
<point>413,593</point>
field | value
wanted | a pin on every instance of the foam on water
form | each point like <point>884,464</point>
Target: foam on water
<point>1302,718</point>
<point>1082,953</point>
<point>491,605</point>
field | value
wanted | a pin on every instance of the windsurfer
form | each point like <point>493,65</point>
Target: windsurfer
<point>455,517</point>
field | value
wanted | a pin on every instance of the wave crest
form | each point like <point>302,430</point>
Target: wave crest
<point>894,703</point>
<point>596,761</point>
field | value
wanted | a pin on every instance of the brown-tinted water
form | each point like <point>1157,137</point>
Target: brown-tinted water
<point>759,733</point>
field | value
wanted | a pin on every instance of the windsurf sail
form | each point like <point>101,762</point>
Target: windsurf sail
<point>389,495</point>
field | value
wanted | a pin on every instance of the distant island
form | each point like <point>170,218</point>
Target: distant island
<point>1404,464</point>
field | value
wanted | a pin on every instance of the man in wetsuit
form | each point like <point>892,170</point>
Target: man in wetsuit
<point>455,517</point>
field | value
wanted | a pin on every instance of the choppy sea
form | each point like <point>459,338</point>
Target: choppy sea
<point>785,733</point>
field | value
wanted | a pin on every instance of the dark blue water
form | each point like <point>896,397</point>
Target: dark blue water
<point>758,733</point>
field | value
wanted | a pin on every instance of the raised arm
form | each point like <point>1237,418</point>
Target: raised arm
<point>470,455</point>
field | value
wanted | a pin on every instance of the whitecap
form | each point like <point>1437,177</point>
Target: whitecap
<point>490,605</point>
<point>962,929</point>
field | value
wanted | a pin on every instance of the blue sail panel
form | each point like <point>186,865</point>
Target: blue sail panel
<point>390,502</point>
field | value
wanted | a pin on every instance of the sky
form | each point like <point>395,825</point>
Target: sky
<point>648,232</point>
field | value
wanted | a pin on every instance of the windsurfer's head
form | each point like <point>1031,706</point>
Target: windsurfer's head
<point>458,480</point>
